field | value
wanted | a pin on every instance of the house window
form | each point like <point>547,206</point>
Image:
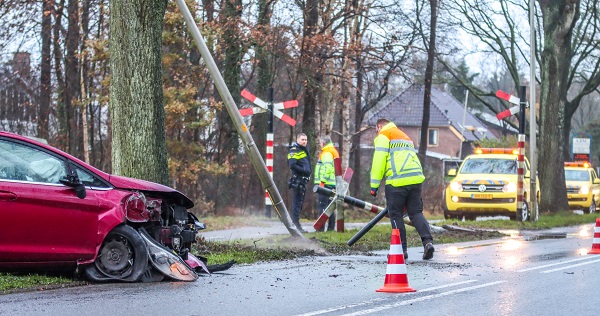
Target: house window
<point>432,137</point>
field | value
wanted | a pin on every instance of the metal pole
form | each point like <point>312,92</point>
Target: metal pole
<point>269,150</point>
<point>462,127</point>
<point>532,116</point>
<point>242,129</point>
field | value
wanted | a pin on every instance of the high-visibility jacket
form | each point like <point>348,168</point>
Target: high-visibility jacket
<point>325,170</point>
<point>396,158</point>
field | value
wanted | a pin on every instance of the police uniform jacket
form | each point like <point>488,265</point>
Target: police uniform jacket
<point>299,160</point>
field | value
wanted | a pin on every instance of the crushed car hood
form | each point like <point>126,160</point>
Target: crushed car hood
<point>147,186</point>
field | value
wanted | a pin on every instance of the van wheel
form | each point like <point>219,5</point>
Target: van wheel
<point>592,208</point>
<point>525,213</point>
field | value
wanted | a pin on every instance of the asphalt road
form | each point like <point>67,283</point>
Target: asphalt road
<point>535,274</point>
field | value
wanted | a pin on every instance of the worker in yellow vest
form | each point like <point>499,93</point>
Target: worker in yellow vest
<point>325,176</point>
<point>396,159</point>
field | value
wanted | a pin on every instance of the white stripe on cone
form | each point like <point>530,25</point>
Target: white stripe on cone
<point>396,250</point>
<point>396,269</point>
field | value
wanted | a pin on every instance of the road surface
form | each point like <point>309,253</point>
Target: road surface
<point>521,275</point>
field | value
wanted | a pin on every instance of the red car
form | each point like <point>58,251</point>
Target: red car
<point>57,210</point>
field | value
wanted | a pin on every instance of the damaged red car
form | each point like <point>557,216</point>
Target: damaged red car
<point>57,211</point>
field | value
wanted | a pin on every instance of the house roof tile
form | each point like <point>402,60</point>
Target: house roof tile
<point>406,109</point>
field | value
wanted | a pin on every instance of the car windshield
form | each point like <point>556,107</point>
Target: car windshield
<point>489,166</point>
<point>577,175</point>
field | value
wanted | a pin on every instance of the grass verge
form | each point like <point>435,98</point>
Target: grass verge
<point>545,221</point>
<point>17,282</point>
<point>327,243</point>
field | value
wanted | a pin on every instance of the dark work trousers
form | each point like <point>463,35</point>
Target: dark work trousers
<point>397,198</point>
<point>298,200</point>
<point>323,202</point>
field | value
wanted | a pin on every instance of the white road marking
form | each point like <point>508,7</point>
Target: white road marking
<point>571,266</point>
<point>333,309</point>
<point>554,264</point>
<point>423,298</point>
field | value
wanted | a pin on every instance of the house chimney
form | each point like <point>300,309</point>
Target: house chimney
<point>21,64</point>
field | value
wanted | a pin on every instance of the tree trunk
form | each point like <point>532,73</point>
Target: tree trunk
<point>265,80</point>
<point>136,95</point>
<point>61,139</point>
<point>428,81</point>
<point>559,18</point>
<point>45,70</point>
<point>72,91</point>
<point>313,77</point>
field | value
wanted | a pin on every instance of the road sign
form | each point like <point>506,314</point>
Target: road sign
<point>264,107</point>
<point>581,145</point>
<point>274,110</point>
<point>510,98</point>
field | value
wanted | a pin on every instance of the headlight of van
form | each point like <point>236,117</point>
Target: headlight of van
<point>510,187</point>
<point>584,190</point>
<point>456,186</point>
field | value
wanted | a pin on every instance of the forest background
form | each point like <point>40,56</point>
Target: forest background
<point>339,59</point>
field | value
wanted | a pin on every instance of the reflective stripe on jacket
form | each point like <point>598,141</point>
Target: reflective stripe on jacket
<point>299,160</point>
<point>395,158</point>
<point>325,170</point>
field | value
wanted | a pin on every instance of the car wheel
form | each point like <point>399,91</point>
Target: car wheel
<point>592,208</point>
<point>123,256</point>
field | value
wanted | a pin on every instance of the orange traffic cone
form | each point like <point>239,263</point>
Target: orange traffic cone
<point>596,241</point>
<point>396,280</point>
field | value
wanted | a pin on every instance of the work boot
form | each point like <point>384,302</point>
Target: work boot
<point>428,251</point>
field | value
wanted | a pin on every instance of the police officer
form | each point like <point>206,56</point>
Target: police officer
<point>325,175</point>
<point>396,159</point>
<point>299,162</point>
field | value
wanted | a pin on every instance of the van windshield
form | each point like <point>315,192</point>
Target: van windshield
<point>577,175</point>
<point>489,166</point>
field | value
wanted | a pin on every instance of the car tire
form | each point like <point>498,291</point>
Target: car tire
<point>592,208</point>
<point>123,256</point>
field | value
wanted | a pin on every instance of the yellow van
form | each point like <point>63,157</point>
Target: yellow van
<point>583,186</point>
<point>486,185</point>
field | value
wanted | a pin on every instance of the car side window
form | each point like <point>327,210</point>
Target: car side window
<point>25,163</point>
<point>89,180</point>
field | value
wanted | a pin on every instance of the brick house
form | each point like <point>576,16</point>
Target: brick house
<point>446,132</point>
<point>446,135</point>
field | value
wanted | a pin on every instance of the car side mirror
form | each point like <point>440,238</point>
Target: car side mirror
<point>452,172</point>
<point>597,181</point>
<point>73,181</point>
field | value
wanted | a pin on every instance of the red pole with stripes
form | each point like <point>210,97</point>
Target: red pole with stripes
<point>269,150</point>
<point>521,155</point>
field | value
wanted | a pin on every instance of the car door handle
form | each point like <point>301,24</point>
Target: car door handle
<point>7,196</point>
